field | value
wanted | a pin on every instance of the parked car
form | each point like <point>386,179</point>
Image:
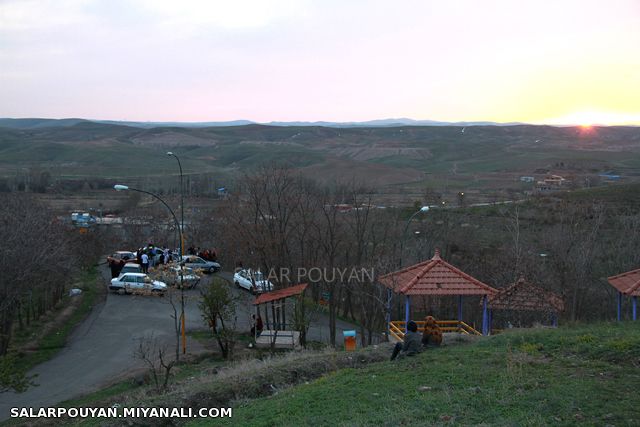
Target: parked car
<point>196,263</point>
<point>252,280</point>
<point>131,267</point>
<point>122,255</point>
<point>189,278</point>
<point>137,282</point>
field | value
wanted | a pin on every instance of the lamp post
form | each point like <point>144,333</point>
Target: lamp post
<point>170,153</point>
<point>407,298</point>
<point>182,316</point>
<point>406,228</point>
<point>119,187</point>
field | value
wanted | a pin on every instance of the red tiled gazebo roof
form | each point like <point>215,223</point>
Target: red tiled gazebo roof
<point>525,296</point>
<point>280,294</point>
<point>434,277</point>
<point>627,283</point>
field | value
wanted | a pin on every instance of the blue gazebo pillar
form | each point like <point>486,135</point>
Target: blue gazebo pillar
<point>407,311</point>
<point>634,303</point>
<point>485,317</point>
<point>619,306</point>
<point>554,320</point>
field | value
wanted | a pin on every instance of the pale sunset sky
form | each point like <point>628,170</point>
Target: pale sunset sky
<point>557,62</point>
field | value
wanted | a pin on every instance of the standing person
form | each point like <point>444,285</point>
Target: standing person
<point>121,264</point>
<point>165,255</point>
<point>113,265</point>
<point>412,344</point>
<point>144,262</point>
<point>259,326</point>
<point>253,325</point>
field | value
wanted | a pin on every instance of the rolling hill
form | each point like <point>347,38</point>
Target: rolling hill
<point>413,156</point>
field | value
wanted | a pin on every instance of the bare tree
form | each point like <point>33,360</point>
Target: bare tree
<point>155,356</point>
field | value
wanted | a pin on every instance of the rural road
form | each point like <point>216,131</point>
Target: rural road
<point>100,350</point>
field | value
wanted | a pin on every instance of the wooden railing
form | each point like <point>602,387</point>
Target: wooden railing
<point>396,327</point>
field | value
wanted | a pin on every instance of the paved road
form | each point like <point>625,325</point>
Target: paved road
<point>101,349</point>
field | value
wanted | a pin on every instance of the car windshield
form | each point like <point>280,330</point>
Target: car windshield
<point>258,276</point>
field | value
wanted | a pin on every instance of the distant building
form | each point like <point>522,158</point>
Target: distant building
<point>554,180</point>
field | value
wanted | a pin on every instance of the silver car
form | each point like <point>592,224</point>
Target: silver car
<point>198,263</point>
<point>189,279</point>
<point>137,282</point>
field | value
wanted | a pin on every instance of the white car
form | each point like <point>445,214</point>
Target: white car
<point>189,278</point>
<point>137,282</point>
<point>252,280</point>
<point>198,263</point>
<point>130,267</point>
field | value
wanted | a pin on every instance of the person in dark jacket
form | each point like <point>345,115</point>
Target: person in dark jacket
<point>259,325</point>
<point>412,344</point>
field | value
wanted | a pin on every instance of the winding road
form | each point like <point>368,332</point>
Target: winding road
<point>100,350</point>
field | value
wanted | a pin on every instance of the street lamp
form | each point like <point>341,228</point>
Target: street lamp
<point>184,339</point>
<point>171,153</point>
<point>422,209</point>
<point>119,187</point>
<point>404,236</point>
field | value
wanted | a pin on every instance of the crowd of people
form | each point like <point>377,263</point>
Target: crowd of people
<point>146,257</point>
<point>206,254</point>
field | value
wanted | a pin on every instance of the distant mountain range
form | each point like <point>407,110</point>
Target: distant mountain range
<point>36,123</point>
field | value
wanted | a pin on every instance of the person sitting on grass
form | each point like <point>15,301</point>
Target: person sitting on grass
<point>411,345</point>
<point>432,335</point>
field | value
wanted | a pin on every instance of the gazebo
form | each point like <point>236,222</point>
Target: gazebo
<point>276,333</point>
<point>627,284</point>
<point>525,296</point>
<point>436,277</point>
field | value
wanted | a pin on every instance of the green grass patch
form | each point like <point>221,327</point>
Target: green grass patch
<point>573,375</point>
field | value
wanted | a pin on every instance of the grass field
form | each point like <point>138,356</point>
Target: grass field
<point>586,375</point>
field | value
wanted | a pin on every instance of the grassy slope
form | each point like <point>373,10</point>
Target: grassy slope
<point>97,149</point>
<point>586,374</point>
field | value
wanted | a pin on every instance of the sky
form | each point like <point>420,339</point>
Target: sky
<point>556,62</point>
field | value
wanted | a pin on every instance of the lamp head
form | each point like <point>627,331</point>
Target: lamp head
<point>424,209</point>
<point>169,153</point>
<point>119,187</point>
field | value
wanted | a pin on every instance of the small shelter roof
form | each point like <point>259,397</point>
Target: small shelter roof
<point>525,296</point>
<point>627,283</point>
<point>280,294</point>
<point>434,277</point>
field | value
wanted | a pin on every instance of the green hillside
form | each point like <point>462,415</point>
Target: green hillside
<point>586,375</point>
<point>480,157</point>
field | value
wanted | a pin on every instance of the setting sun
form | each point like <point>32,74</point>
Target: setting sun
<point>587,119</point>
